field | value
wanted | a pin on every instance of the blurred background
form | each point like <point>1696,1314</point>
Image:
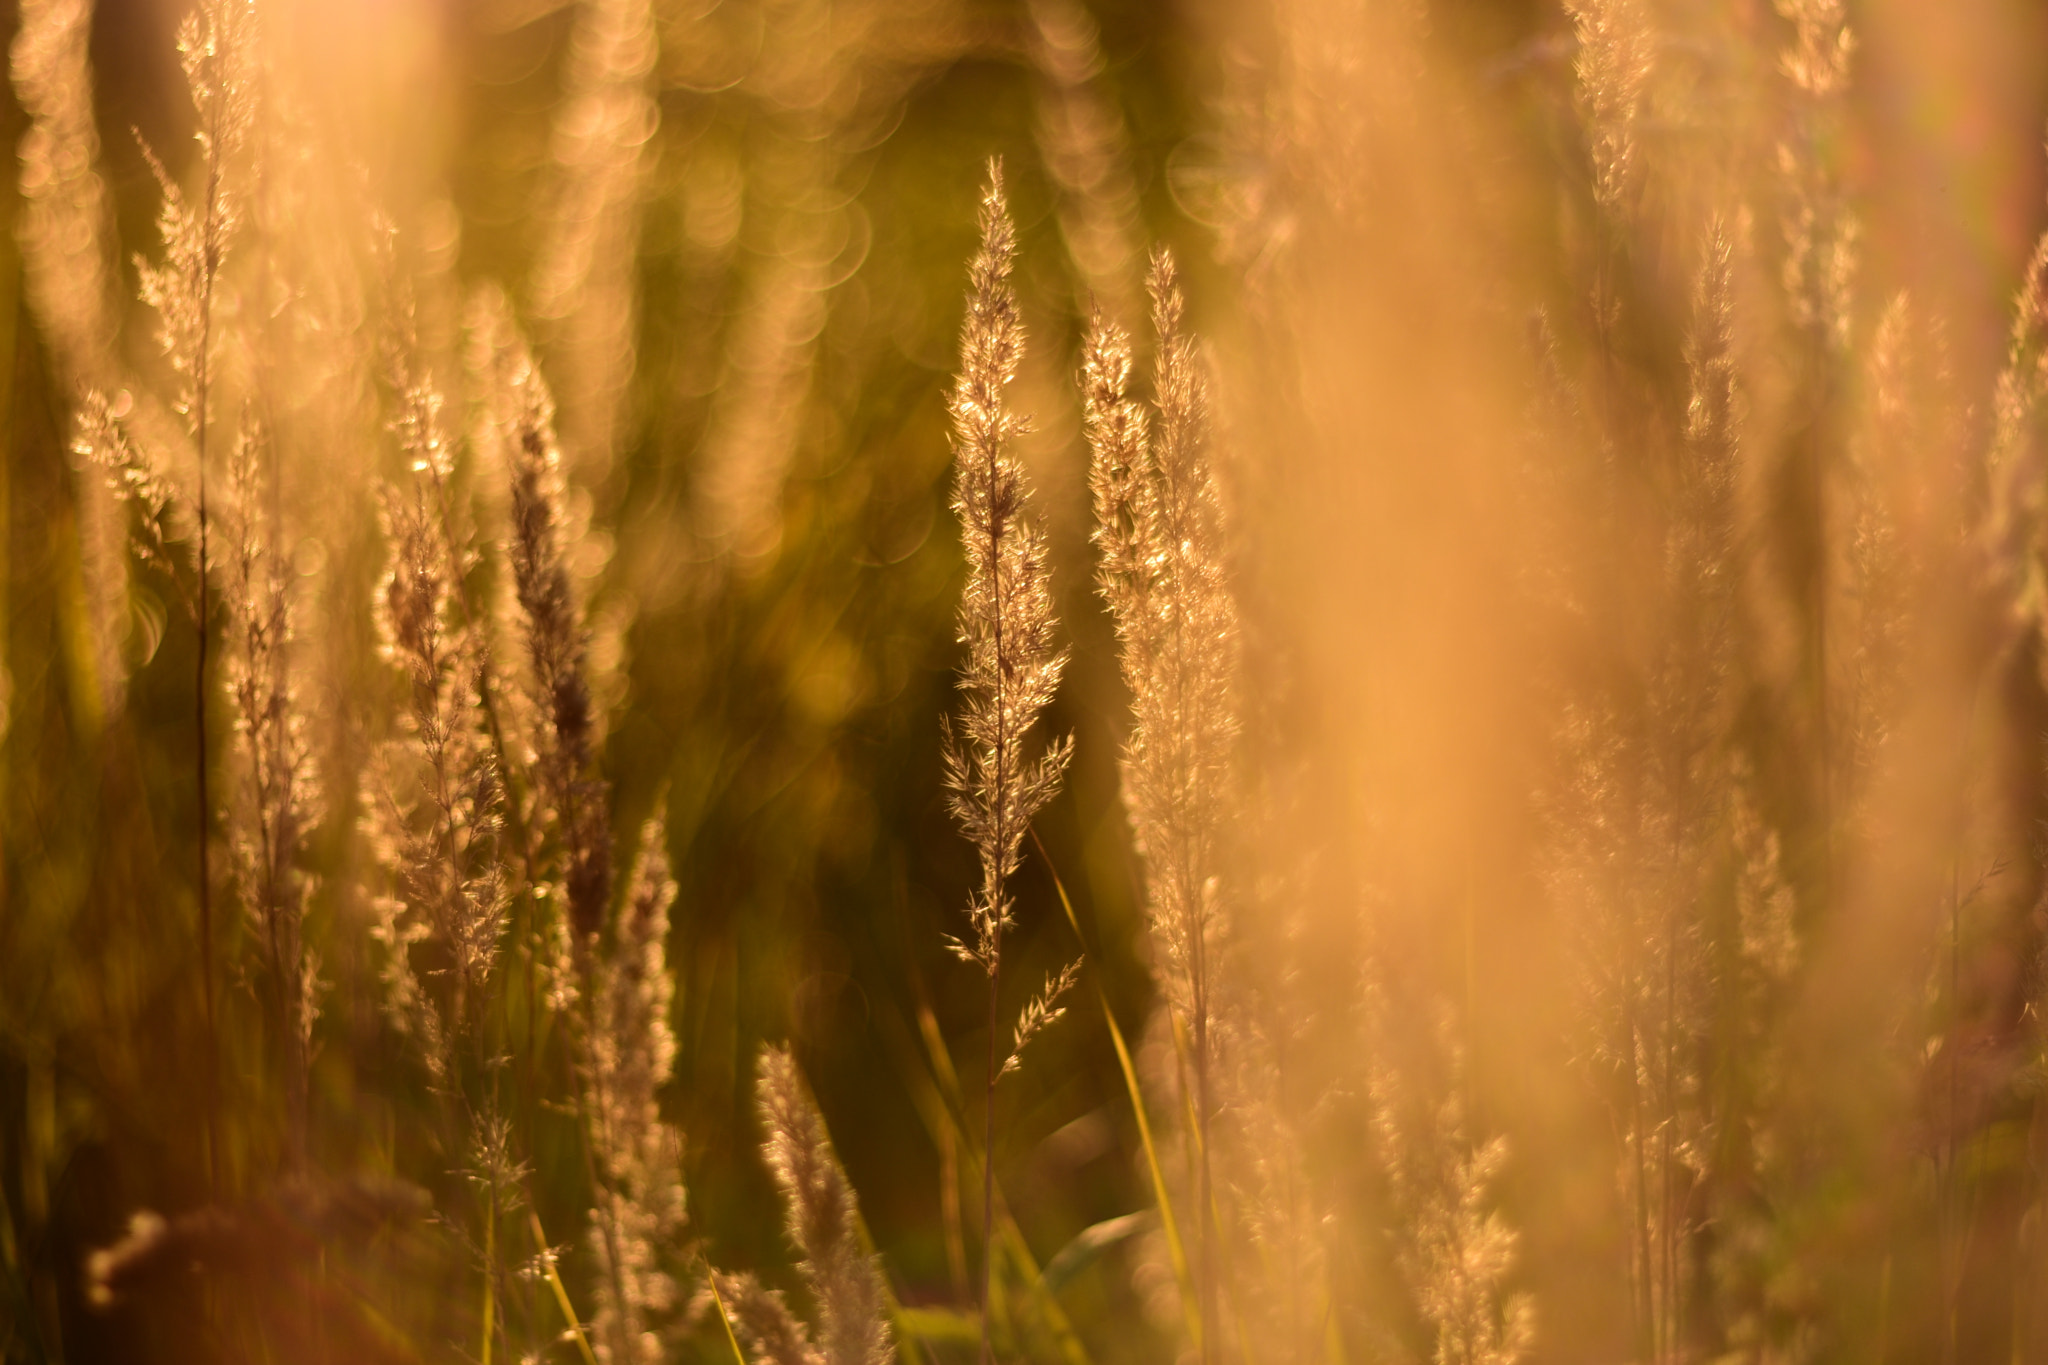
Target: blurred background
<point>1457,345</point>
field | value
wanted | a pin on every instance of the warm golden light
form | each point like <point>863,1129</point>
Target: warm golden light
<point>828,681</point>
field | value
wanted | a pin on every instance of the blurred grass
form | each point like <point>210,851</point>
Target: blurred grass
<point>789,707</point>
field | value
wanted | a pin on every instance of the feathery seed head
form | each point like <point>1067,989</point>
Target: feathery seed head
<point>1821,233</point>
<point>1613,67</point>
<point>2014,457</point>
<point>410,607</point>
<point>824,1220</point>
<point>521,413</point>
<point>763,1320</point>
<point>1159,529</point>
<point>1710,349</point>
<point>641,1208</point>
<point>1456,1250</point>
<point>632,1047</point>
<point>1006,615</point>
<point>101,438</point>
<point>1702,547</point>
<point>281,800</point>
<point>435,797</point>
<point>1764,904</point>
<point>217,43</point>
<point>1045,1008</point>
<point>1117,428</point>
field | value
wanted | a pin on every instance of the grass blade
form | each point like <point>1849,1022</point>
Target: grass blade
<point>724,1318</point>
<point>1088,1244</point>
<point>547,1260</point>
<point>937,1095</point>
<point>1175,1249</point>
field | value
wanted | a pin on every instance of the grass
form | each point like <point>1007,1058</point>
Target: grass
<point>1516,683</point>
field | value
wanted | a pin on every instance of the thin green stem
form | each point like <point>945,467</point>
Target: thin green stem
<point>993,891</point>
<point>490,1272</point>
<point>554,1278</point>
<point>724,1318</point>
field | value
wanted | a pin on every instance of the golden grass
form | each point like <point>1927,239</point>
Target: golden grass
<point>1545,716</point>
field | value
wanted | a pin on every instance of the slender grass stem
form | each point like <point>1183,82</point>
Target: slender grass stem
<point>724,1318</point>
<point>1175,1249</point>
<point>490,1273</point>
<point>554,1279</point>
<point>209,266</point>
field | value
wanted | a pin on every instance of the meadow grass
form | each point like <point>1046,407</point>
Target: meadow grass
<point>1498,686</point>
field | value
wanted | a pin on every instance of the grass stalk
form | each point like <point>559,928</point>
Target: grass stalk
<point>1175,1249</point>
<point>490,1274</point>
<point>1006,620</point>
<point>724,1320</point>
<point>941,1104</point>
<point>988,1135</point>
<point>561,1293</point>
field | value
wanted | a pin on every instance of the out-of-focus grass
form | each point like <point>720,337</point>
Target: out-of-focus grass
<point>787,703</point>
